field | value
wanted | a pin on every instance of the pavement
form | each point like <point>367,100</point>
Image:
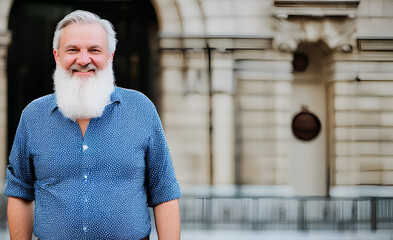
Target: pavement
<point>268,235</point>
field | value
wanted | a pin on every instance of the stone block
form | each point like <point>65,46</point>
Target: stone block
<point>189,9</point>
<point>370,177</point>
<point>370,164</point>
<point>196,60</point>
<point>358,148</point>
<point>252,7</point>
<point>363,134</point>
<point>358,103</point>
<point>374,27</point>
<point>188,102</point>
<point>256,103</point>
<point>263,118</point>
<point>223,81</point>
<point>253,175</point>
<point>283,102</point>
<point>172,102</point>
<point>268,76</point>
<point>282,164</point>
<point>282,178</point>
<point>363,66</point>
<point>214,8</point>
<point>193,26</point>
<point>386,119</point>
<point>346,178</point>
<point>346,164</point>
<point>386,148</point>
<point>260,148</point>
<point>253,25</point>
<point>172,81</point>
<point>265,66</point>
<point>387,178</point>
<point>222,61</point>
<point>220,26</point>
<point>364,88</point>
<point>185,119</point>
<point>264,133</point>
<point>351,118</point>
<point>387,163</point>
<point>263,87</point>
<point>256,87</point>
<point>172,59</point>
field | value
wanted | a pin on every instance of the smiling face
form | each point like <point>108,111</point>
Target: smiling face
<point>83,49</point>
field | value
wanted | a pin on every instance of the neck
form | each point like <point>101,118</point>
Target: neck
<point>83,123</point>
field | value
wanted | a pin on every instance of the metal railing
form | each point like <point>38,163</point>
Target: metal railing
<point>286,213</point>
<point>278,213</point>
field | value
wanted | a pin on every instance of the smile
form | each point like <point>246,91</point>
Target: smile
<point>83,71</point>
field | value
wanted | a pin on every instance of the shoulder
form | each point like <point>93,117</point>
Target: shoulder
<point>40,107</point>
<point>133,98</point>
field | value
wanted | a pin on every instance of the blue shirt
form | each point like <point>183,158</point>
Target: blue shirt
<point>98,186</point>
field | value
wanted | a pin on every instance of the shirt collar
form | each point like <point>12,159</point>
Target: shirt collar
<point>115,98</point>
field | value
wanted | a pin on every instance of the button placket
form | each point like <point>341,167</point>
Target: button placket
<point>85,184</point>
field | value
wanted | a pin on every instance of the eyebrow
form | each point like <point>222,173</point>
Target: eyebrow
<point>96,46</point>
<point>74,46</point>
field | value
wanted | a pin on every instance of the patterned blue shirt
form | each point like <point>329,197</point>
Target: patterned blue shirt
<point>98,186</point>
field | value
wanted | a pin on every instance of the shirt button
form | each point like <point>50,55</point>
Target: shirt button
<point>85,229</point>
<point>85,147</point>
<point>85,177</point>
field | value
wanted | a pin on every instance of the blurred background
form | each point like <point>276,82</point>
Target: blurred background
<point>278,113</point>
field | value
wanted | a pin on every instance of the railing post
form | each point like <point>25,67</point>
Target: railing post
<point>373,214</point>
<point>301,216</point>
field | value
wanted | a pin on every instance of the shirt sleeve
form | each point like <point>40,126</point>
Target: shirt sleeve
<point>162,185</point>
<point>20,178</point>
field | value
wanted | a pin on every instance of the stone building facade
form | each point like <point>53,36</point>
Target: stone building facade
<point>230,89</point>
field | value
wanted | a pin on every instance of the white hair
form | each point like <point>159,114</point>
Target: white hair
<point>83,17</point>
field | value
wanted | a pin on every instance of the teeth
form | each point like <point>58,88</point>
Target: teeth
<point>84,70</point>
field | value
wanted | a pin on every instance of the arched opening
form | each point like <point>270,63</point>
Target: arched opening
<point>30,62</point>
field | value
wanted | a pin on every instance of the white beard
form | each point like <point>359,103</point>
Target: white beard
<point>83,98</point>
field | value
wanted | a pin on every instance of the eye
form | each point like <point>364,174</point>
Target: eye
<point>95,50</point>
<point>71,50</point>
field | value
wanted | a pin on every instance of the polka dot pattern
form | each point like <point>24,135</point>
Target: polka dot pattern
<point>98,186</point>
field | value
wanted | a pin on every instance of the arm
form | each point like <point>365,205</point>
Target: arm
<point>167,217</point>
<point>20,218</point>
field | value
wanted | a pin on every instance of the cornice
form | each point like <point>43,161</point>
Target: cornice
<point>310,8</point>
<point>375,43</point>
<point>222,42</point>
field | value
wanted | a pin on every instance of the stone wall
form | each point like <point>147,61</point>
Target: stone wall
<point>228,92</point>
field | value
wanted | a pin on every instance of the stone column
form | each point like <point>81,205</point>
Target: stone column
<point>4,41</point>
<point>223,144</point>
<point>5,38</point>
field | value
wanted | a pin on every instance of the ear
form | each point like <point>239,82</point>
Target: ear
<point>111,57</point>
<point>56,55</point>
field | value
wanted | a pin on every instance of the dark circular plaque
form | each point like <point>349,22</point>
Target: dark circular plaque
<point>305,125</point>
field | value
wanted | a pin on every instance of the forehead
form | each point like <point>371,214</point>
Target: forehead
<point>83,34</point>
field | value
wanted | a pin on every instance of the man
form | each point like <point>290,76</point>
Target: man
<point>88,160</point>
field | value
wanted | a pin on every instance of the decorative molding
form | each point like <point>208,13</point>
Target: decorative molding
<point>375,43</point>
<point>321,8</point>
<point>335,34</point>
<point>221,42</point>
<point>317,3</point>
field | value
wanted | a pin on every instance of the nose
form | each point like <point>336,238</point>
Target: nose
<point>83,58</point>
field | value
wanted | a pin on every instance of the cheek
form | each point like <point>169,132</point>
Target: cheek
<point>66,62</point>
<point>101,62</point>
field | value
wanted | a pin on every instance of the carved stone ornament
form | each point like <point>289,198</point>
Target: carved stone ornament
<point>338,34</point>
